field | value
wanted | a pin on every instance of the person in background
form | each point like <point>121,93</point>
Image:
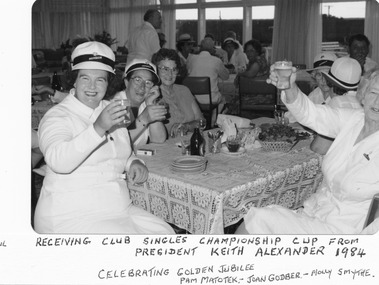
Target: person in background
<point>184,46</point>
<point>88,156</point>
<point>141,89</point>
<point>143,41</point>
<point>219,52</point>
<point>185,113</point>
<point>162,39</point>
<point>322,94</point>
<point>236,62</point>
<point>359,47</point>
<point>343,79</point>
<point>257,65</point>
<point>205,64</point>
<point>350,168</point>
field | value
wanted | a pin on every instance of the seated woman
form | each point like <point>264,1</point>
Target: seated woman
<point>257,65</point>
<point>87,153</point>
<point>236,61</point>
<point>140,80</point>
<point>185,113</point>
<point>350,167</point>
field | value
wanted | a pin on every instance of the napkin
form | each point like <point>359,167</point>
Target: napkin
<point>228,127</point>
<point>238,121</point>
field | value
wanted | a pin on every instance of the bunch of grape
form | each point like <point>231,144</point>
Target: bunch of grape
<point>277,132</point>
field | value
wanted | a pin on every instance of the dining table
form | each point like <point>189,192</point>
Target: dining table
<point>207,202</point>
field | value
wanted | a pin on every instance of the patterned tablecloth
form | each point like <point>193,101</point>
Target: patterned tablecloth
<point>208,202</point>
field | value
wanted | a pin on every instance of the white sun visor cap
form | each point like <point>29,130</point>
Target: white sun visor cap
<point>93,55</point>
<point>142,64</point>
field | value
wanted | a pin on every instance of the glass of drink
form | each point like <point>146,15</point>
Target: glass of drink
<point>233,143</point>
<point>284,70</point>
<point>186,146</point>
<point>129,115</point>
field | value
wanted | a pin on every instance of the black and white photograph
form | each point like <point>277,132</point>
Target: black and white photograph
<point>190,142</point>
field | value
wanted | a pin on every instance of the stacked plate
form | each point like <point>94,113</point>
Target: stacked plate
<point>189,164</point>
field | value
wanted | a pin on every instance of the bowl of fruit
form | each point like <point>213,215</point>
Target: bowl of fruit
<point>278,137</point>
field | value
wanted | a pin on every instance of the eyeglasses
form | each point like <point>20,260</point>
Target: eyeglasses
<point>167,70</point>
<point>139,81</point>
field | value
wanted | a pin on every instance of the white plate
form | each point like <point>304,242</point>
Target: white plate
<point>225,150</point>
<point>189,161</point>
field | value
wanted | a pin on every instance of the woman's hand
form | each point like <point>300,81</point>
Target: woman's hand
<point>112,114</point>
<point>138,172</point>
<point>153,113</point>
<point>291,93</point>
<point>273,78</point>
<point>152,95</point>
<point>178,128</point>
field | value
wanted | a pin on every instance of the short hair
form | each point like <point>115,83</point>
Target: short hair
<point>209,35</point>
<point>166,53</point>
<point>359,38</point>
<point>149,14</point>
<point>255,44</point>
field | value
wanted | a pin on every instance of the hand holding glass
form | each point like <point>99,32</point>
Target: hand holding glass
<point>284,70</point>
<point>129,115</point>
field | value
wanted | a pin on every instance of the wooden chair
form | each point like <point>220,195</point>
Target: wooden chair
<point>202,86</point>
<point>255,94</point>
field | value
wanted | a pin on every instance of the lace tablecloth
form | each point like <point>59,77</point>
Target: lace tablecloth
<point>208,202</point>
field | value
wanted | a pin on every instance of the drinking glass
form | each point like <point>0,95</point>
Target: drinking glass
<point>233,143</point>
<point>186,146</point>
<point>284,70</point>
<point>129,115</point>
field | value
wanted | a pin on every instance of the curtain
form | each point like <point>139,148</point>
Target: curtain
<point>169,23</point>
<point>371,27</point>
<point>54,22</point>
<point>297,34</point>
<point>124,16</point>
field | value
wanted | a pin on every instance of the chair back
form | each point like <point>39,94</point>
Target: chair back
<point>198,85</point>
<point>256,94</point>
<point>201,85</point>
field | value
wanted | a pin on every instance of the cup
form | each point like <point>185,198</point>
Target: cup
<point>280,117</point>
<point>212,143</point>
<point>186,146</point>
<point>160,101</point>
<point>233,143</point>
<point>129,115</point>
<point>284,70</point>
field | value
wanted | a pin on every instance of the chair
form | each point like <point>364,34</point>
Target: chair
<point>255,94</point>
<point>202,86</point>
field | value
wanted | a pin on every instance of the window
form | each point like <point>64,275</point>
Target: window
<point>186,22</point>
<point>221,20</point>
<point>341,20</point>
<point>263,24</point>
